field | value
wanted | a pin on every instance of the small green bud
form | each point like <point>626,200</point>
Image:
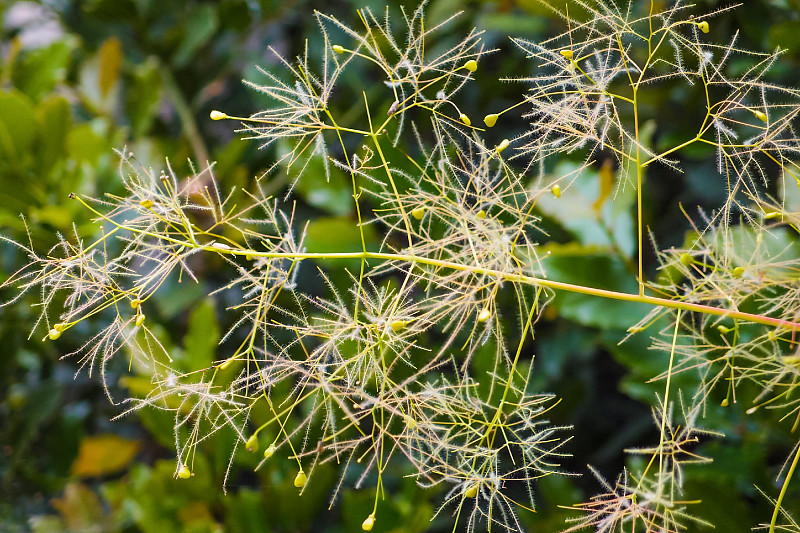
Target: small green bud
<point>135,303</point>
<point>418,213</point>
<point>147,204</point>
<point>269,452</point>
<point>556,190</point>
<point>54,334</point>
<point>760,115</point>
<point>471,65</point>
<point>484,315</point>
<point>139,320</point>
<point>471,491</point>
<point>790,359</point>
<point>490,120</point>
<point>465,119</point>
<point>724,403</point>
<point>252,443</point>
<point>398,325</point>
<point>567,53</point>
<point>481,214</point>
<point>218,115</point>
<point>703,25</point>
<point>502,146</point>
<point>737,272</point>
<point>59,327</point>
<point>368,522</point>
<point>771,215</point>
<point>339,49</point>
<point>248,257</point>
<point>184,472</point>
<point>686,259</point>
<point>300,480</point>
<point>723,330</point>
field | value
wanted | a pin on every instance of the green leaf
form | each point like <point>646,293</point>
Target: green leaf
<point>336,234</point>
<point>202,337</point>
<point>333,194</point>
<point>789,188</point>
<point>785,34</point>
<point>607,224</point>
<point>143,96</point>
<point>46,524</point>
<point>56,216</point>
<point>513,24</point>
<point>17,126</point>
<point>55,120</point>
<point>200,27</point>
<point>83,144</point>
<point>246,511</point>
<point>40,71</point>
<point>587,267</point>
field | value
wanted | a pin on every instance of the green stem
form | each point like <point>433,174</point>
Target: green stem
<point>507,276</point>
<point>784,488</point>
<point>528,280</point>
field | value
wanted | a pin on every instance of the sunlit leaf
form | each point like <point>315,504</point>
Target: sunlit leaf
<point>101,455</point>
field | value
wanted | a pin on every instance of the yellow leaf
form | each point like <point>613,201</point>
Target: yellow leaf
<point>109,63</point>
<point>100,455</point>
<point>606,175</point>
<point>80,508</point>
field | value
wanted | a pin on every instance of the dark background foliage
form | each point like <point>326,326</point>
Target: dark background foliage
<point>79,79</point>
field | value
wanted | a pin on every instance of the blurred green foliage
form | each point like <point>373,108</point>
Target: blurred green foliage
<point>80,79</point>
